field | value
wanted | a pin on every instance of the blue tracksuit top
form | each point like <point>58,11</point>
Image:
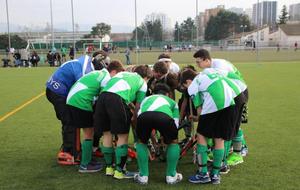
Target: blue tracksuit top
<point>68,73</point>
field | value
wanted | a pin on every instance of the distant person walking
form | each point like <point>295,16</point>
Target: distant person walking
<point>127,55</point>
<point>296,46</point>
<point>63,51</point>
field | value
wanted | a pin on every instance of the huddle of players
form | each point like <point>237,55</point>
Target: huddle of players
<point>98,101</point>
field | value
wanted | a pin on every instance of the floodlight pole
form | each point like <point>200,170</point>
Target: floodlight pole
<point>52,32</point>
<point>8,32</point>
<point>197,24</point>
<point>74,44</point>
<point>257,38</point>
<point>136,34</point>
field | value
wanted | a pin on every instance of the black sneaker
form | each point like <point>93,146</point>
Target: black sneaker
<point>90,168</point>
<point>224,169</point>
<point>215,179</point>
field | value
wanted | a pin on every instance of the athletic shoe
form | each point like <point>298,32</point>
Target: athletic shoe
<point>173,180</point>
<point>200,178</point>
<point>143,180</point>
<point>235,159</point>
<point>123,174</point>
<point>66,158</point>
<point>244,150</point>
<point>109,171</point>
<point>224,169</point>
<point>90,168</point>
<point>98,153</point>
<point>215,179</point>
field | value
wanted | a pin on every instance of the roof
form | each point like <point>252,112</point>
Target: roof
<point>291,29</point>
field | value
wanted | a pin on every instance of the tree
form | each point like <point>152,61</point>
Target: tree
<point>16,42</point>
<point>226,24</point>
<point>177,32</point>
<point>283,18</point>
<point>149,30</point>
<point>187,30</point>
<point>100,30</point>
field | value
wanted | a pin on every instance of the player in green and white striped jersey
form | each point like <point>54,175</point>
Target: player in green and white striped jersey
<point>161,113</point>
<point>213,95</point>
<point>204,60</point>
<point>113,115</point>
<point>80,101</point>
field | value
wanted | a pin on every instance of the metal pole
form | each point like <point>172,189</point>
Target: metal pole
<point>197,25</point>
<point>178,35</point>
<point>8,32</point>
<point>52,32</point>
<point>73,29</point>
<point>136,33</point>
<point>257,38</point>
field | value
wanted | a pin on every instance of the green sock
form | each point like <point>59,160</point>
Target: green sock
<point>108,155</point>
<point>218,157</point>
<point>227,145</point>
<point>142,158</point>
<point>87,149</point>
<point>121,156</point>
<point>172,159</point>
<point>237,141</point>
<point>202,157</point>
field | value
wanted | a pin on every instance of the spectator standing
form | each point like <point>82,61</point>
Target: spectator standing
<point>127,55</point>
<point>71,53</point>
<point>34,59</point>
<point>63,51</point>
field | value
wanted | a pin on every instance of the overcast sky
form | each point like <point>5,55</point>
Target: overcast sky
<point>34,13</point>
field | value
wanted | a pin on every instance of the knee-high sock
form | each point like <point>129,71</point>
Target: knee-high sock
<point>121,156</point>
<point>202,157</point>
<point>87,148</point>
<point>142,158</point>
<point>108,155</point>
<point>237,141</point>
<point>227,145</point>
<point>218,157</point>
<point>172,159</point>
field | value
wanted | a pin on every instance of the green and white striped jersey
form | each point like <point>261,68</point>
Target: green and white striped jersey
<point>160,103</point>
<point>86,90</point>
<point>225,65</point>
<point>213,92</point>
<point>232,75</point>
<point>130,86</point>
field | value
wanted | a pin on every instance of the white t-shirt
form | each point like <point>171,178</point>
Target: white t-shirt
<point>174,68</point>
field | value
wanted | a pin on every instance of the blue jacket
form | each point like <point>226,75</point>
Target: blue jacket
<point>68,73</point>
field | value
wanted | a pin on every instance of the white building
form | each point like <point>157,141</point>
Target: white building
<point>285,36</point>
<point>264,13</point>
<point>294,12</point>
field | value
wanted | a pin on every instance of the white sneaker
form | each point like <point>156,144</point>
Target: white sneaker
<point>176,179</point>
<point>143,180</point>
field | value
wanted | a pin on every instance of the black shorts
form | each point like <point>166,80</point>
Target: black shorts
<point>148,121</point>
<point>60,106</point>
<point>112,114</point>
<point>240,102</point>
<point>220,124</point>
<point>81,118</point>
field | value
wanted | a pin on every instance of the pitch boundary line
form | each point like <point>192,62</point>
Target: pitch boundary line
<point>21,107</point>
